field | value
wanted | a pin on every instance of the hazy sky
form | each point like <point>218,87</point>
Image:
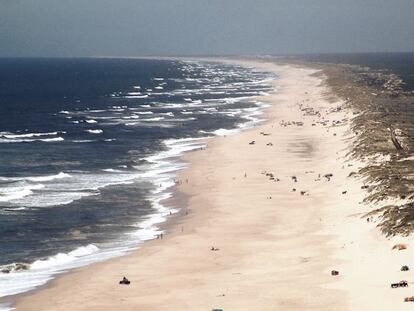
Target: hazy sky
<point>171,27</point>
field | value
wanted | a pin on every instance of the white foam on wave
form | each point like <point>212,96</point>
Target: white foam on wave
<point>62,258</point>
<point>177,147</point>
<point>11,193</point>
<point>211,109</point>
<point>41,271</point>
<point>130,117</point>
<point>174,106</point>
<point>182,120</point>
<point>153,119</point>
<point>55,139</point>
<point>104,118</point>
<point>81,184</point>
<point>28,140</point>
<point>51,139</point>
<point>48,178</point>
<point>161,173</point>
<point>96,110</point>
<point>170,114</point>
<point>20,187</point>
<point>150,124</point>
<point>97,131</point>
<point>147,228</point>
<point>83,141</point>
<point>252,115</point>
<point>91,121</point>
<point>36,178</point>
<point>225,132</point>
<point>135,96</point>
<point>27,135</point>
<point>111,170</point>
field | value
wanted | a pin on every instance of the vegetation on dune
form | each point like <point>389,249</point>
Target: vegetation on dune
<point>381,109</point>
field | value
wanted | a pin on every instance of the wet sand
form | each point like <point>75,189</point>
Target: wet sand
<point>277,225</point>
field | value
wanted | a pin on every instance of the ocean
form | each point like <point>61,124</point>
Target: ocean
<point>89,147</point>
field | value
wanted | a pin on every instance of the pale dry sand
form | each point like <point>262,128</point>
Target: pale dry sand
<point>276,246</point>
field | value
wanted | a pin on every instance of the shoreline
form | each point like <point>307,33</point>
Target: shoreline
<point>166,159</point>
<point>276,246</point>
<point>250,120</point>
<point>150,247</point>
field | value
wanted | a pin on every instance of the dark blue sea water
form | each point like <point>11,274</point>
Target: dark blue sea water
<point>87,151</point>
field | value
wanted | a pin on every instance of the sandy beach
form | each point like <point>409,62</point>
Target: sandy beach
<point>278,207</point>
